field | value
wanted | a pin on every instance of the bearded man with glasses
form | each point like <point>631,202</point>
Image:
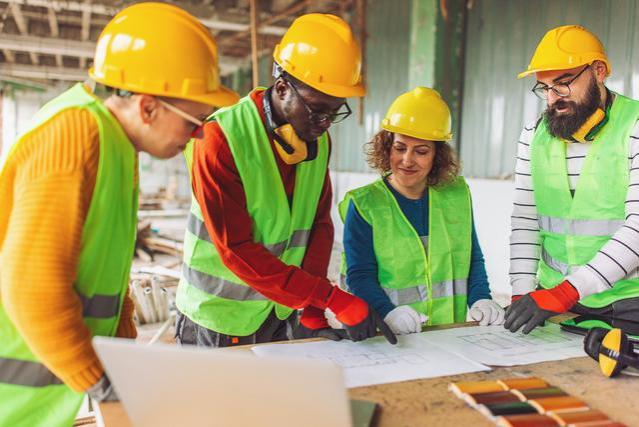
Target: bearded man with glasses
<point>575,221</point>
<point>259,236</point>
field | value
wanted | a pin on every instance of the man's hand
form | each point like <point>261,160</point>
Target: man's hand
<point>531,310</point>
<point>103,391</point>
<point>313,324</point>
<point>359,320</point>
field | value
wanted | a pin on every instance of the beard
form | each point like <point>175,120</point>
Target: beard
<point>565,125</point>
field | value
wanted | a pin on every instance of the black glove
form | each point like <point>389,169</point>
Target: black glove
<point>367,328</point>
<point>103,391</point>
<point>525,312</point>
<point>302,331</point>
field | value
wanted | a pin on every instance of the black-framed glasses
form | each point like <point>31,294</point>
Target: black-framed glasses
<point>561,89</point>
<point>335,117</point>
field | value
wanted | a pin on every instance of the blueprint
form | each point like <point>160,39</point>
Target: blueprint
<point>496,346</point>
<point>375,361</point>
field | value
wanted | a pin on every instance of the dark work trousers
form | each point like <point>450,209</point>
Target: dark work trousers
<point>625,309</point>
<point>273,329</point>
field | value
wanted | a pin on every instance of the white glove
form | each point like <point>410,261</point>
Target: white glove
<point>487,312</point>
<point>405,320</point>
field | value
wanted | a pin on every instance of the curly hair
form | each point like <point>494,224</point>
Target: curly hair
<point>445,165</point>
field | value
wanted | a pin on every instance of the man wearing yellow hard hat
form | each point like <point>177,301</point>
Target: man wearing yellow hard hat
<point>69,192</point>
<point>575,222</point>
<point>410,245</point>
<point>259,235</point>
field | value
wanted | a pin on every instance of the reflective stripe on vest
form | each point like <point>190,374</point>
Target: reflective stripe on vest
<point>299,238</point>
<point>448,288</point>
<point>26,373</point>
<point>579,227</point>
<point>575,226</point>
<point>554,263</point>
<point>100,306</point>
<point>219,287</point>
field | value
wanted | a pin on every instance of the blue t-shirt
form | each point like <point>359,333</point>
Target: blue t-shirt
<point>362,263</point>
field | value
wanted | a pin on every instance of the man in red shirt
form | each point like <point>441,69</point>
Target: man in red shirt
<point>259,236</point>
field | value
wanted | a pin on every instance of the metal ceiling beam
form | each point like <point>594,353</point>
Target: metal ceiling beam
<point>49,46</point>
<point>42,72</point>
<point>55,32</point>
<point>85,32</point>
<point>82,49</point>
<point>23,27</point>
<point>100,9</point>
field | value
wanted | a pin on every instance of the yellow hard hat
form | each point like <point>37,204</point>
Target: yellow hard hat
<point>420,113</point>
<point>321,51</point>
<point>566,47</point>
<point>160,49</point>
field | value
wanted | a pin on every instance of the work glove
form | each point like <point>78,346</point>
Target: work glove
<point>487,312</point>
<point>313,324</point>
<point>359,320</point>
<point>404,320</point>
<point>103,391</point>
<point>532,310</point>
<point>515,298</point>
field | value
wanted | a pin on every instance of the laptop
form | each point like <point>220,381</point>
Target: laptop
<point>168,385</point>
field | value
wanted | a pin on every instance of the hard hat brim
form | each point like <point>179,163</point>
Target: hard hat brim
<point>418,135</point>
<point>222,97</point>
<point>338,91</point>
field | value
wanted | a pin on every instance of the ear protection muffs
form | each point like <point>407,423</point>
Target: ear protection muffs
<point>612,349</point>
<point>290,147</point>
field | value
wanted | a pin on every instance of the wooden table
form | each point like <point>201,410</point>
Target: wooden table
<point>428,401</point>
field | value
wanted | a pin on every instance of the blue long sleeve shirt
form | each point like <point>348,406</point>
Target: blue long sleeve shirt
<point>361,276</point>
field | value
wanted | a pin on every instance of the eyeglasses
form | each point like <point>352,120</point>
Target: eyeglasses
<point>197,123</point>
<point>336,117</point>
<point>561,89</point>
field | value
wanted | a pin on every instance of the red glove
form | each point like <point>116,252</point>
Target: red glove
<point>313,324</point>
<point>360,321</point>
<point>559,299</point>
<point>313,318</point>
<point>532,310</point>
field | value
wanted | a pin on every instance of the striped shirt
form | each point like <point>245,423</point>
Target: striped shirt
<point>617,259</point>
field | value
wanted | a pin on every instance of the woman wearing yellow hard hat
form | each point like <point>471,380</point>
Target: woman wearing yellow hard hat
<point>410,246</point>
<point>69,191</point>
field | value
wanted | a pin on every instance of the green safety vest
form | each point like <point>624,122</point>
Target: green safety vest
<point>428,273</point>
<point>573,229</point>
<point>209,293</point>
<point>30,394</point>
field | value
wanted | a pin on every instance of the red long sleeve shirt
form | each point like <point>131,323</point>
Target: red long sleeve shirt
<point>218,188</point>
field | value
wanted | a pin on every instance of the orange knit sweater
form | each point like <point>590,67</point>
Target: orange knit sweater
<point>45,191</point>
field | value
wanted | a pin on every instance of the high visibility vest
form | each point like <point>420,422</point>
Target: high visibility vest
<point>209,293</point>
<point>430,275</point>
<point>30,394</point>
<point>573,229</point>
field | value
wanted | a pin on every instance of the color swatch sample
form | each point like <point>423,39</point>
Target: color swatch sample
<point>558,403</point>
<point>528,420</point>
<point>573,417</point>
<point>528,402</point>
